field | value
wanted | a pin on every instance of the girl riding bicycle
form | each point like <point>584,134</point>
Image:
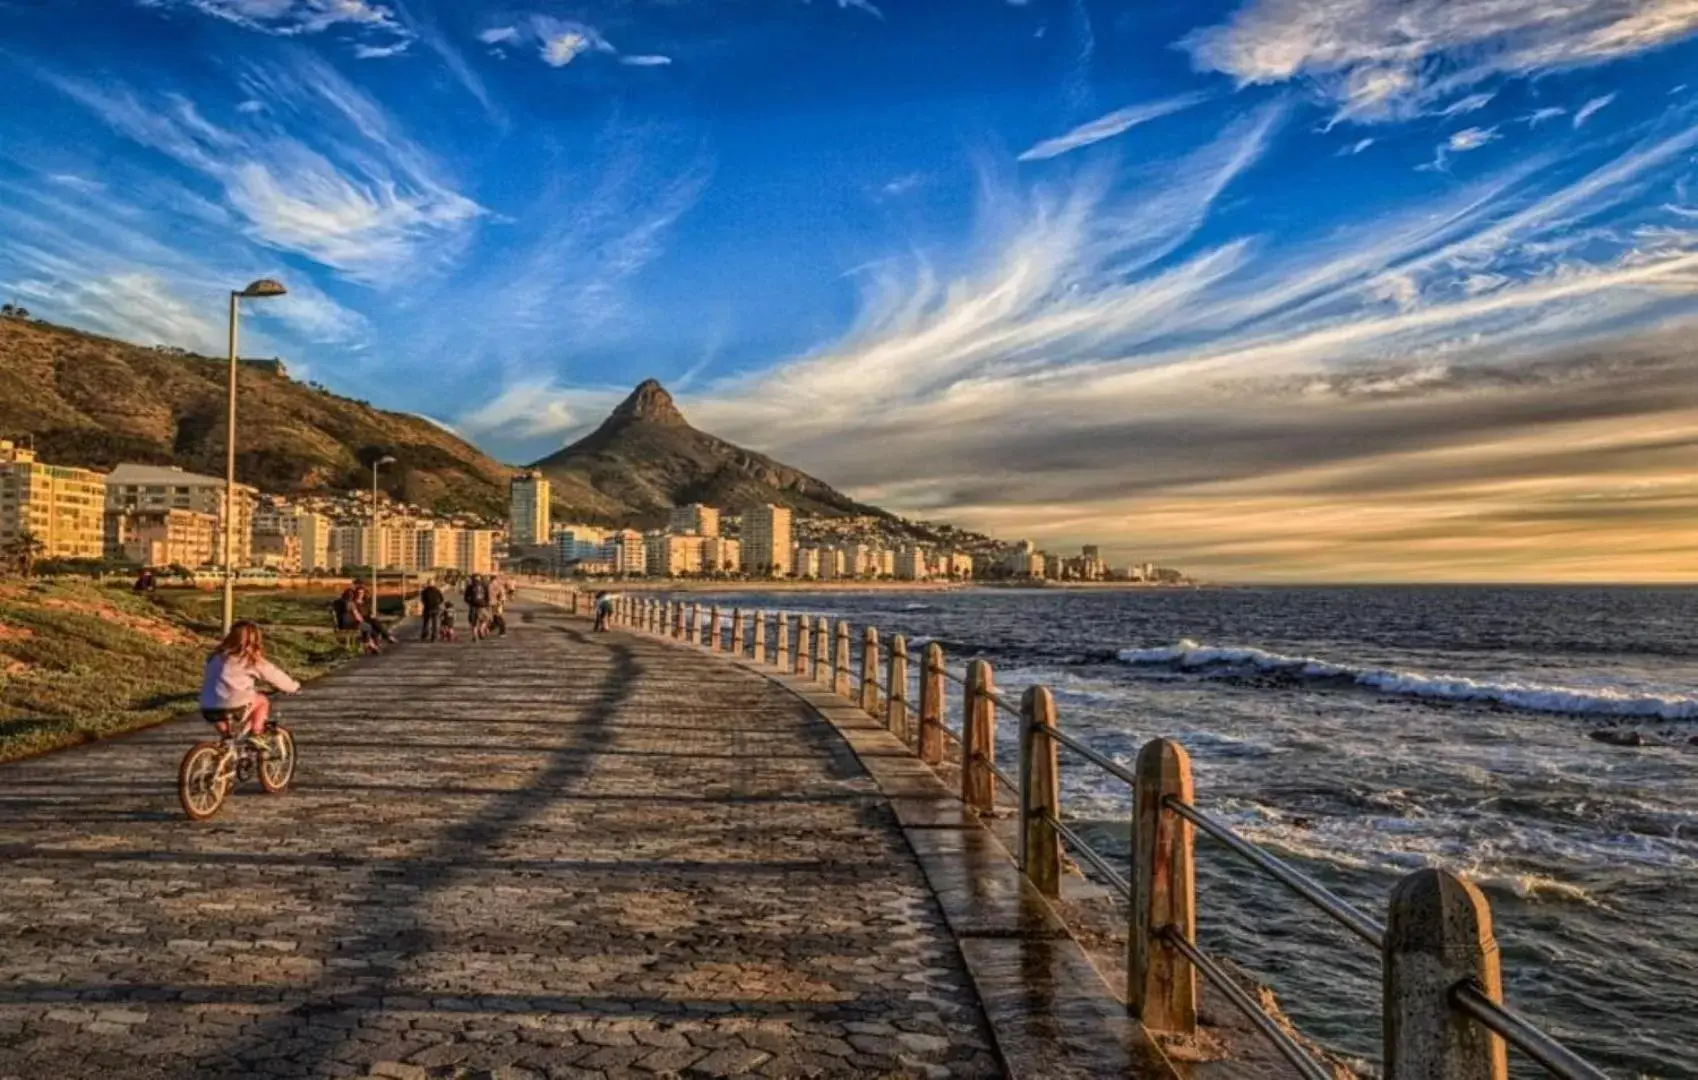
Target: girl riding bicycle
<point>232,672</point>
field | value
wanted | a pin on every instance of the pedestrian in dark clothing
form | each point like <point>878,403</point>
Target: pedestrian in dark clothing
<point>603,610</point>
<point>477,607</point>
<point>431,601</point>
<point>145,583</point>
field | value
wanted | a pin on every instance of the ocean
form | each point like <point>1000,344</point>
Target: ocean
<point>1362,732</point>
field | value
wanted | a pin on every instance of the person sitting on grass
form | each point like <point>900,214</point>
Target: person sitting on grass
<point>230,682</point>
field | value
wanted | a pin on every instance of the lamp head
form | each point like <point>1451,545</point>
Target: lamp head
<point>385,460</point>
<point>263,288</point>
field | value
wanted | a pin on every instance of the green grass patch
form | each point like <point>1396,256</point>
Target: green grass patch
<point>81,661</point>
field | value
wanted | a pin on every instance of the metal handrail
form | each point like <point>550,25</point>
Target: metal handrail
<point>1089,854</point>
<point>1283,1042</point>
<point>1557,1059</point>
<point>1298,882</point>
<point>1117,771</point>
<point>958,680</point>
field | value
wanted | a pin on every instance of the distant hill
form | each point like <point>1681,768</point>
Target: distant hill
<point>645,458</point>
<point>95,402</point>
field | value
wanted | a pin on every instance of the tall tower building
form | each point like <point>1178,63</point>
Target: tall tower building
<point>767,540</point>
<point>527,510</point>
<point>695,518</point>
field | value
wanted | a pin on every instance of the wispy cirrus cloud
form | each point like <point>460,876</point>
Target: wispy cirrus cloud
<point>375,27</point>
<point>1586,111</point>
<point>1109,125</point>
<point>353,194</point>
<point>1390,59</point>
<point>559,42</point>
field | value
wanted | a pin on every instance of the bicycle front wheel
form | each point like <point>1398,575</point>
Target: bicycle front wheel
<point>278,768</point>
<point>201,781</point>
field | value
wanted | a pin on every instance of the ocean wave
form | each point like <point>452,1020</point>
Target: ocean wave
<point>1522,696</point>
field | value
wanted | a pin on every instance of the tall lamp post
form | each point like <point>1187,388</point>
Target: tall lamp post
<point>376,537</point>
<point>259,290</point>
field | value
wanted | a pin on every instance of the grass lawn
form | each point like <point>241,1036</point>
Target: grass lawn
<point>80,660</point>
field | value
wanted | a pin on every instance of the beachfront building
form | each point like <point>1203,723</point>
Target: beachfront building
<point>1024,561</point>
<point>912,564</point>
<point>161,538</point>
<point>833,564</point>
<point>629,551</point>
<point>474,551</point>
<point>278,551</point>
<point>579,544</point>
<point>694,519</point>
<point>673,554</point>
<point>166,487</point>
<point>721,554</point>
<point>805,562</point>
<point>527,510</point>
<point>59,505</point>
<point>956,565</point>
<point>767,540</point>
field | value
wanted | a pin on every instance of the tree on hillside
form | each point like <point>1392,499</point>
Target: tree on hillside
<point>22,550</point>
<point>13,311</point>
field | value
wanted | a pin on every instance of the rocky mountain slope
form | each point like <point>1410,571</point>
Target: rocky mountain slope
<point>646,458</point>
<point>95,402</point>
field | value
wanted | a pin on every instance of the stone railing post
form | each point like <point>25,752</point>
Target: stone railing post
<point>737,631</point>
<point>869,671</point>
<point>840,660</point>
<point>978,739</point>
<point>1439,934</point>
<point>713,628</point>
<point>574,602</point>
<point>1161,984</point>
<point>803,649</point>
<point>931,705</point>
<point>1040,792</point>
<point>896,688</point>
<point>693,631</point>
<point>759,644</point>
<point>781,630</point>
<point>822,650</point>
<point>678,621</point>
<point>651,615</point>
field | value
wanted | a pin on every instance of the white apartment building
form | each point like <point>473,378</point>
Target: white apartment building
<point>833,564</point>
<point>163,487</point>
<point>694,518</point>
<point>629,551</point>
<point>912,564</point>
<point>61,506</point>
<point>723,554</point>
<point>672,554</point>
<point>767,540</point>
<point>527,510</point>
<point>805,562</point>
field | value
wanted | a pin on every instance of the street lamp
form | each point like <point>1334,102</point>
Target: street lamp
<point>259,290</point>
<point>376,537</point>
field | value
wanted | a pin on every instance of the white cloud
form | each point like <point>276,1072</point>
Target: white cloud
<point>1388,59</point>
<point>499,35</point>
<point>359,198</point>
<point>1463,106</point>
<point>562,48</point>
<point>1470,139</point>
<point>1356,147</point>
<point>1539,116</point>
<point>1108,126</point>
<point>1584,112</point>
<point>383,33</point>
<point>645,61</point>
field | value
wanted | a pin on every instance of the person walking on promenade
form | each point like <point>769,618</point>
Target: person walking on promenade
<point>603,610</point>
<point>498,605</point>
<point>430,604</point>
<point>477,606</point>
<point>447,625</point>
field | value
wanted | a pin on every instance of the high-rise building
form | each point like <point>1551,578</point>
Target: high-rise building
<point>833,564</point>
<point>313,531</point>
<point>474,550</point>
<point>629,552</point>
<point>156,487</point>
<point>805,562</point>
<point>767,540</point>
<point>912,564</point>
<point>672,554</point>
<point>527,510</point>
<point>62,507</point>
<point>695,518</point>
<point>722,554</point>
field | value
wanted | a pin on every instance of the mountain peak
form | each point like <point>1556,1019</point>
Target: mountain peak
<point>650,402</point>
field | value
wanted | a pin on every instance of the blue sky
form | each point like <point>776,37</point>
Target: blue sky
<point>1338,288</point>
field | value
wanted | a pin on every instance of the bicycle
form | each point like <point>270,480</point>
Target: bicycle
<point>211,770</point>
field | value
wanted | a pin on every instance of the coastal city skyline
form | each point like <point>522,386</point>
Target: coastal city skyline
<point>1261,295</point>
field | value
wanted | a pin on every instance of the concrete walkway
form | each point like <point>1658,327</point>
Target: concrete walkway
<point>553,855</point>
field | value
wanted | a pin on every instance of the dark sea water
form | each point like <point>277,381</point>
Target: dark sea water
<point>1365,732</point>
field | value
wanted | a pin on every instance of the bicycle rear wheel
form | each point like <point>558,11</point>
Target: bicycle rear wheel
<point>278,767</point>
<point>202,785</point>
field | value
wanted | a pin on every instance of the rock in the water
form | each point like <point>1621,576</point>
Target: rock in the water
<point>1617,737</point>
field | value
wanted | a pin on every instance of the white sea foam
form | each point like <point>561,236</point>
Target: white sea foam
<point>1525,696</point>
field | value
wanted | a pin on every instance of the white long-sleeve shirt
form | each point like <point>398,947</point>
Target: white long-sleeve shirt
<point>230,682</point>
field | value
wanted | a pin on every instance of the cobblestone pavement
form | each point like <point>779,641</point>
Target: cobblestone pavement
<point>553,855</point>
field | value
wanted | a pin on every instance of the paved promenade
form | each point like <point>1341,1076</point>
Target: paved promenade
<point>554,855</point>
